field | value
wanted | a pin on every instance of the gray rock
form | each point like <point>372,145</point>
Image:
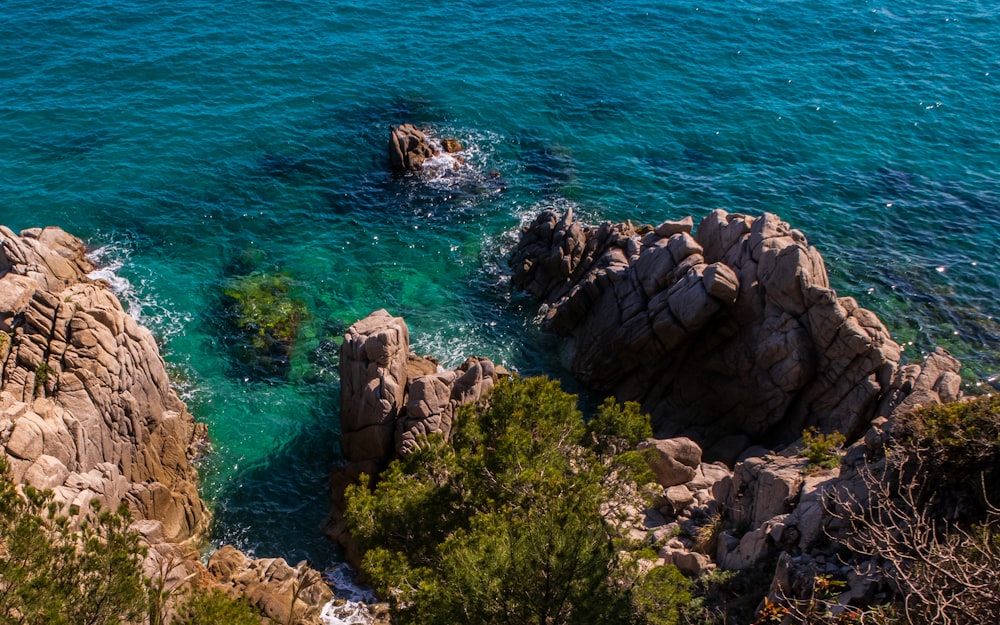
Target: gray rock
<point>732,331</point>
<point>676,460</point>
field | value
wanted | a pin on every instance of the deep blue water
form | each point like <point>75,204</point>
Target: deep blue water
<point>177,136</point>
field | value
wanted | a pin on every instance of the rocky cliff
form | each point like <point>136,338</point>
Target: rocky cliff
<point>87,410</point>
<point>732,329</point>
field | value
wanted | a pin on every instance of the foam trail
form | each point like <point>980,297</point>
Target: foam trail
<point>350,604</point>
<point>109,260</point>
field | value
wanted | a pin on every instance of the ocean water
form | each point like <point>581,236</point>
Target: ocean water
<point>180,138</point>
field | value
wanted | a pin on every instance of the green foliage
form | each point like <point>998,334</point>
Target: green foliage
<point>42,374</point>
<point>618,427</point>
<point>962,435</point>
<point>56,574</point>
<point>662,597</point>
<point>956,446</point>
<point>214,607</point>
<point>503,524</point>
<point>821,449</point>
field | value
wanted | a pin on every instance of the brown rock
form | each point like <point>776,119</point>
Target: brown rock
<point>408,148</point>
<point>373,373</point>
<point>89,407</point>
<point>676,460</point>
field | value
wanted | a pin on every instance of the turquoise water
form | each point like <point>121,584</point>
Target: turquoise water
<point>176,136</point>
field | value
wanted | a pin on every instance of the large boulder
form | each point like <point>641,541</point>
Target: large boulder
<point>373,373</point>
<point>732,330</point>
<point>391,401</point>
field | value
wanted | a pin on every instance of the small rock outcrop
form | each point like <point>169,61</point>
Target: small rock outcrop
<point>272,585</point>
<point>408,148</point>
<point>391,399</point>
<point>732,330</point>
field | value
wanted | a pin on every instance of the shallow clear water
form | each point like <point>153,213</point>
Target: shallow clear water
<point>178,135</point>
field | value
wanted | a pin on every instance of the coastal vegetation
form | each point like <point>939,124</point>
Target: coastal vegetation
<point>85,568</point>
<point>508,521</point>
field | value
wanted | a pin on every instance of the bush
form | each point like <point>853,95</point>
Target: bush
<point>952,443</point>
<point>502,525</point>
<point>56,574</point>
<point>946,572</point>
<point>821,449</point>
<point>214,607</point>
<point>618,427</point>
<point>962,435</point>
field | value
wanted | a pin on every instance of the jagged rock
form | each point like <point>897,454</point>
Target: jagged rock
<point>391,401</point>
<point>935,381</point>
<point>760,489</point>
<point>678,498</point>
<point>87,411</point>
<point>270,584</point>
<point>408,148</point>
<point>676,460</point>
<point>732,331</point>
<point>373,374</point>
<point>87,408</point>
<point>451,146</point>
<point>433,399</point>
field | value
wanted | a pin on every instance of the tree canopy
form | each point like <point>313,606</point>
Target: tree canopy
<point>503,523</point>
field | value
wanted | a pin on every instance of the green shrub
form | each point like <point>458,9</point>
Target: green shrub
<point>964,435</point>
<point>214,607</point>
<point>821,449</point>
<point>618,427</point>
<point>957,447</point>
<point>503,524</point>
<point>662,597</point>
<point>52,572</point>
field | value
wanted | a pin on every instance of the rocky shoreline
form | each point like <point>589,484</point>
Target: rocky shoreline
<point>87,410</point>
<point>730,337</point>
<point>733,341</point>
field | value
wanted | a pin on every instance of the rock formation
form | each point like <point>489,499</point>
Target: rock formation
<point>774,509</point>
<point>734,330</point>
<point>408,148</point>
<point>86,410</point>
<point>391,400</point>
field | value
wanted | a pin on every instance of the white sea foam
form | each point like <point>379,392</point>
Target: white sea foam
<point>351,601</point>
<point>109,260</point>
<point>459,170</point>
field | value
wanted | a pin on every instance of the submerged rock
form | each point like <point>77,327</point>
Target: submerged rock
<point>732,330</point>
